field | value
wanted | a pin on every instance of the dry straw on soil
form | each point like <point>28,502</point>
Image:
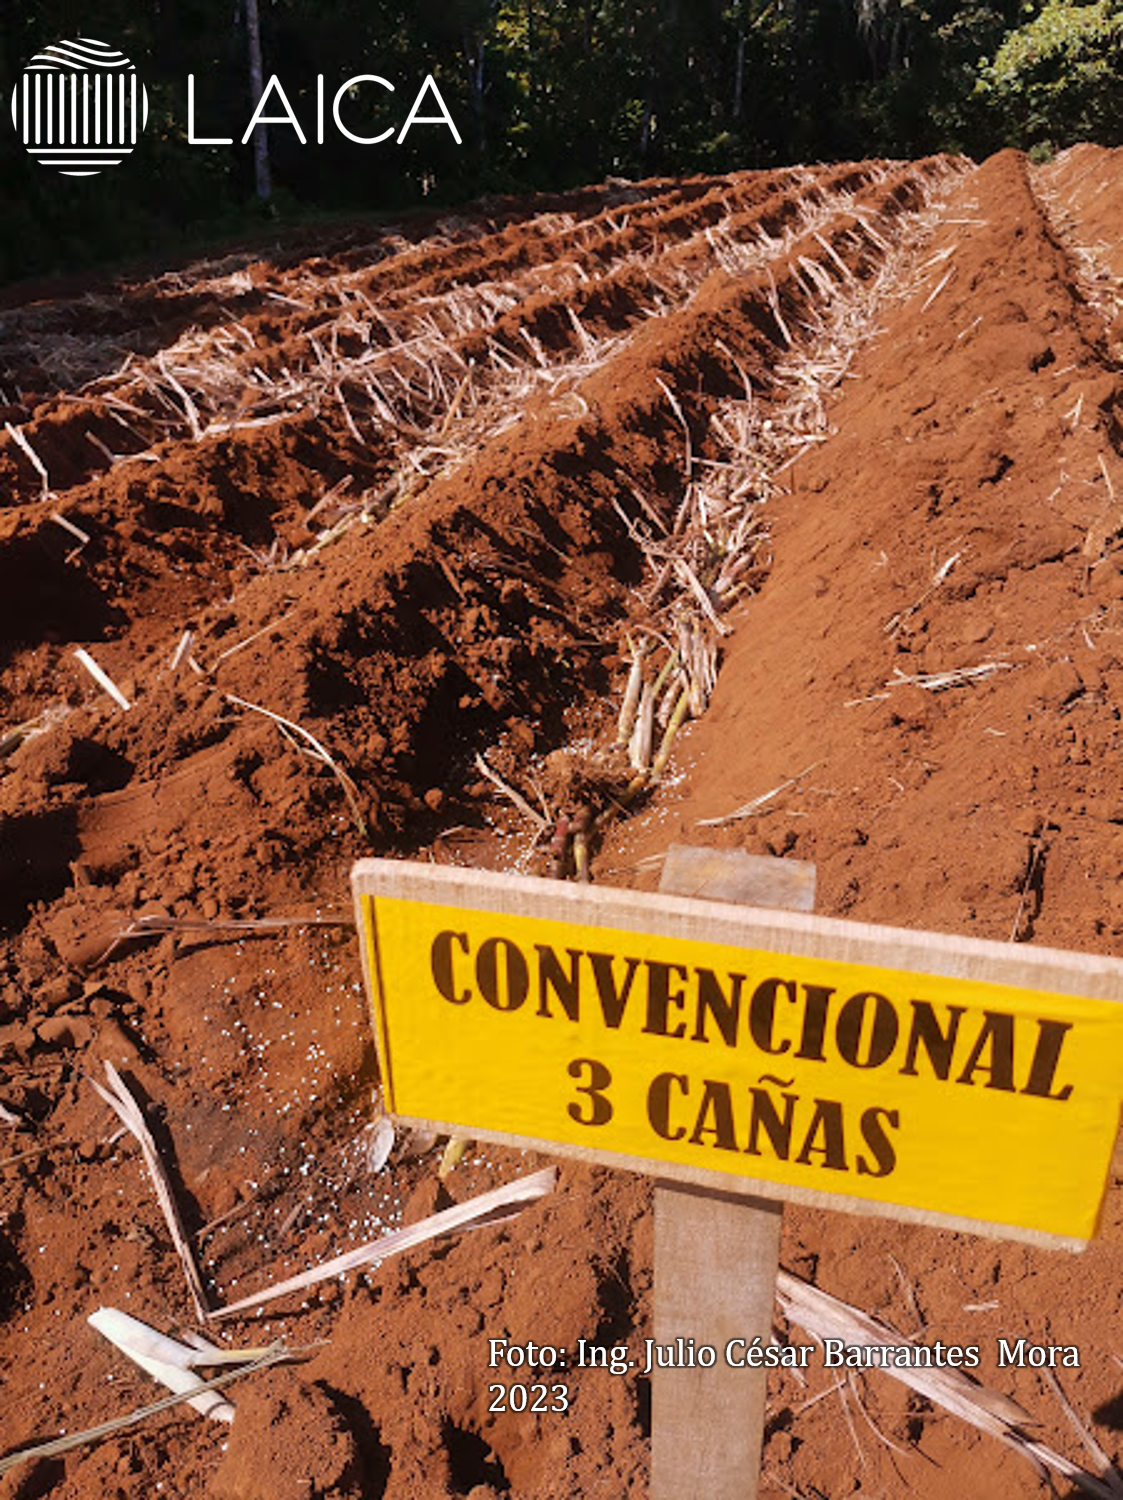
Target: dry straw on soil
<point>824,1316</point>
<point>716,549</point>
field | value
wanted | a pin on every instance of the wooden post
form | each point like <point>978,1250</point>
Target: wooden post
<point>716,1257</point>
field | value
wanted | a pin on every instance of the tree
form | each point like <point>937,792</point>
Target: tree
<point>263,177</point>
<point>1059,78</point>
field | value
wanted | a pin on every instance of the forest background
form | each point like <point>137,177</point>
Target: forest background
<point>547,94</point>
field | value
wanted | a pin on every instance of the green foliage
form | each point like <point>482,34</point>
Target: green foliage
<point>1059,77</point>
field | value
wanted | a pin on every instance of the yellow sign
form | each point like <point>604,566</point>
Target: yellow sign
<point>812,1058</point>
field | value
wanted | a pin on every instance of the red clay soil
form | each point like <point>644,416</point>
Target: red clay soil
<point>396,493</point>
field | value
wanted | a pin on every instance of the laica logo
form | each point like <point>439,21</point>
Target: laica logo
<point>79,107</point>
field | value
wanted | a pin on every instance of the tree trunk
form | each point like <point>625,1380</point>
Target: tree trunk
<point>897,47</point>
<point>531,59</point>
<point>739,75</point>
<point>648,120</point>
<point>474,39</point>
<point>477,52</point>
<point>262,175</point>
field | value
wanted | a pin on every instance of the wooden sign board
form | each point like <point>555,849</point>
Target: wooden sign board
<point>969,1084</point>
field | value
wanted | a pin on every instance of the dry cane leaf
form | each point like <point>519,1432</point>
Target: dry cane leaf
<point>501,1201</point>
<point>128,1111</point>
<point>824,1316</point>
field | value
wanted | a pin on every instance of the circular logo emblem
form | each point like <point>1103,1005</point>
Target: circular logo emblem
<point>79,107</point>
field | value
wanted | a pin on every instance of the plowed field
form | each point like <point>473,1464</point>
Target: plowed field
<point>826,463</point>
